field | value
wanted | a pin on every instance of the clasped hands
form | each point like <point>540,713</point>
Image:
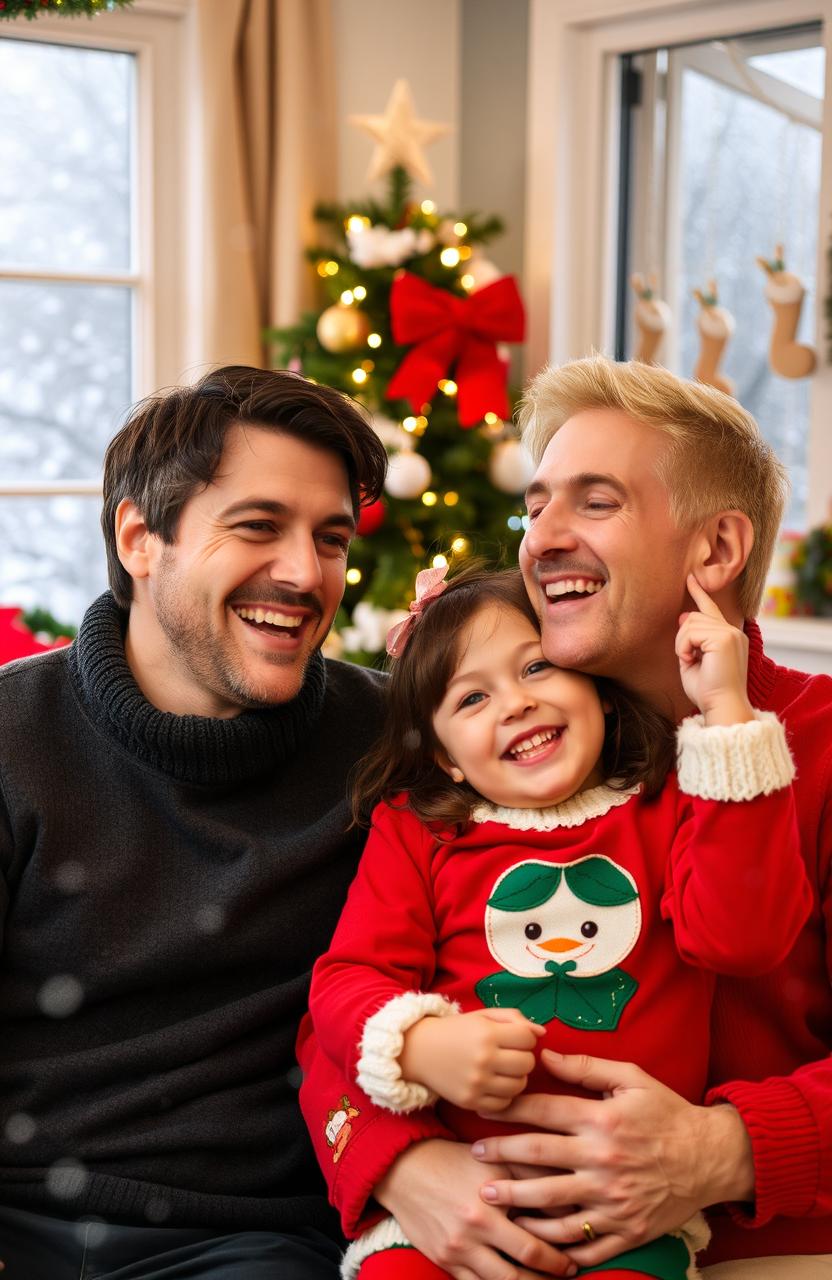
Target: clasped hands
<point>640,1160</point>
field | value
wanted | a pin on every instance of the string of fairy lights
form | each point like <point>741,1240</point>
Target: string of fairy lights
<point>354,328</point>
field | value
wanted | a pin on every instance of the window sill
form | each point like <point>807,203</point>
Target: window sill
<point>802,643</point>
<point>814,634</point>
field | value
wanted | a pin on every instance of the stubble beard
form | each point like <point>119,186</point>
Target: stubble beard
<point>212,661</point>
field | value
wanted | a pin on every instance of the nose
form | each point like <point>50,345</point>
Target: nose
<point>296,562</point>
<point>516,701</point>
<point>559,944</point>
<point>551,532</point>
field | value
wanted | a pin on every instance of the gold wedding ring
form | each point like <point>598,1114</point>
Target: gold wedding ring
<point>588,1230</point>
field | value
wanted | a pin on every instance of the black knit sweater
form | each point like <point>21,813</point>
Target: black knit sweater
<point>166,883</point>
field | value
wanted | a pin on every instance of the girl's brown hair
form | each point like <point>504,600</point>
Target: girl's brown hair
<point>639,743</point>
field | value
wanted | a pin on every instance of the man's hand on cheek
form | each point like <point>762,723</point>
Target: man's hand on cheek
<point>433,1191</point>
<point>640,1161</point>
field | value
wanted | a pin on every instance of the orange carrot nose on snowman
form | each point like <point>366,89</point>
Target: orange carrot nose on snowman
<point>785,294</point>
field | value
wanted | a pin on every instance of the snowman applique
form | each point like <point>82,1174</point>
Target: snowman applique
<point>560,931</point>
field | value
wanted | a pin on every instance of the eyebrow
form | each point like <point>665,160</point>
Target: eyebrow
<point>273,508</point>
<point>583,480</point>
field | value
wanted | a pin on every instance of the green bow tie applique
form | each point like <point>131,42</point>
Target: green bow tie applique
<point>588,1004</point>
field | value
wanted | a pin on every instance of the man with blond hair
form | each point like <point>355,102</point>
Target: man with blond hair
<point>641,479</point>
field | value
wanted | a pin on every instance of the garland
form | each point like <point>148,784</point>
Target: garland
<point>32,8</point>
<point>42,623</point>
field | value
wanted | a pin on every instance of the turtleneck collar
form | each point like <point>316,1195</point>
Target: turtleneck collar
<point>198,750</point>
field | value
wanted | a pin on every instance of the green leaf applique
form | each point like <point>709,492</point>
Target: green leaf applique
<point>525,886</point>
<point>600,883</point>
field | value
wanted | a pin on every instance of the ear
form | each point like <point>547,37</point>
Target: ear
<point>447,765</point>
<point>606,706</point>
<point>721,550</point>
<point>136,546</point>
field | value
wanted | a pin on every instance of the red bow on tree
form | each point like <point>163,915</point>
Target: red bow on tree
<point>452,330</point>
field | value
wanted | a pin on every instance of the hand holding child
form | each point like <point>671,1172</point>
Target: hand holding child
<point>713,661</point>
<point>480,1061</point>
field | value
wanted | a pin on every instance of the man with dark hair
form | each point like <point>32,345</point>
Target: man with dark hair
<point>174,848</point>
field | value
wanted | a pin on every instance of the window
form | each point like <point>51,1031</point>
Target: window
<point>722,144</point>
<point>83,233</point>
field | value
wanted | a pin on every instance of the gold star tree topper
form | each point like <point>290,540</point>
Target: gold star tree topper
<point>400,136</point>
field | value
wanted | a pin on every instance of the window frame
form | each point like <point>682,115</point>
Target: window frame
<point>573,171</point>
<point>154,32</point>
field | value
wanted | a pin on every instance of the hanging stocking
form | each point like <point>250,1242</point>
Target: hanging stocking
<point>785,294</point>
<point>652,318</point>
<point>715,325</point>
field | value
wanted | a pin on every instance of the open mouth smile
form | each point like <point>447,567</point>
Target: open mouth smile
<point>576,588</point>
<point>535,746</point>
<point>272,622</point>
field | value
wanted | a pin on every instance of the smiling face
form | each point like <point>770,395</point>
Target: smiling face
<point>590,937</point>
<point>604,563</point>
<point>228,615</point>
<point>523,733</point>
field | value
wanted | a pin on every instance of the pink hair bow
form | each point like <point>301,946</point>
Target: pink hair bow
<point>429,585</point>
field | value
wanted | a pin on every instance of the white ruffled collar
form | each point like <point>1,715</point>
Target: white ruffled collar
<point>573,812</point>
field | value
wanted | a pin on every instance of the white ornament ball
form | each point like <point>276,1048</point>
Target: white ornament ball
<point>510,467</point>
<point>408,475</point>
<point>342,328</point>
<point>391,434</point>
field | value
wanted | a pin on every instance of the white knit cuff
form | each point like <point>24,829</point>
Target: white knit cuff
<point>379,1073</point>
<point>386,1234</point>
<point>733,761</point>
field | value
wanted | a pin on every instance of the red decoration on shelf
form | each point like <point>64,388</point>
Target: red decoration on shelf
<point>451,330</point>
<point>16,641</point>
<point>371,518</point>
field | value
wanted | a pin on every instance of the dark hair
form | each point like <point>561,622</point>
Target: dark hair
<point>171,445</point>
<point>639,743</point>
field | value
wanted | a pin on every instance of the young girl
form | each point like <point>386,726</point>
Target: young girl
<point>534,877</point>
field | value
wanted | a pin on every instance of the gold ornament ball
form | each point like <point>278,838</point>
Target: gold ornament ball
<point>342,328</point>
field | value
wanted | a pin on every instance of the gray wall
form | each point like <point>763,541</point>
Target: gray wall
<point>376,43</point>
<point>492,138</point>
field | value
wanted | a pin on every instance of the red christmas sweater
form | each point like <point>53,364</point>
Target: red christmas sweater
<point>357,1149</point>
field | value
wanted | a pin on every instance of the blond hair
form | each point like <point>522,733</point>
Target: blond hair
<point>716,459</point>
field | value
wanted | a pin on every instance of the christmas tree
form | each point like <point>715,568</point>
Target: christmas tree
<point>414,329</point>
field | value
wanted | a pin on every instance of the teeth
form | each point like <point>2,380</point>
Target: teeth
<point>268,615</point>
<point>586,585</point>
<point>535,741</point>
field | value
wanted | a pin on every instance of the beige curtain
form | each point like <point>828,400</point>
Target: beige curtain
<point>264,152</point>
